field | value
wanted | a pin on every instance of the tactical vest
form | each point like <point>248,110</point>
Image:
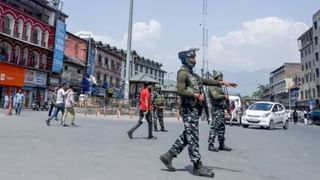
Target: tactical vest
<point>191,82</point>
<point>159,101</point>
<point>217,103</point>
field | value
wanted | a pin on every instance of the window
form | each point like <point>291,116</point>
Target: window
<point>317,56</point>
<point>136,66</point>
<point>79,71</point>
<point>151,71</point>
<point>35,60</point>
<point>318,90</point>
<point>315,24</point>
<point>99,60</point>
<point>17,54</point>
<point>301,93</point>
<point>8,25</point>
<point>306,94</point>
<point>316,40</point>
<point>147,70</point>
<point>37,35</point>
<point>302,80</point>
<point>28,32</point>
<point>317,72</point>
<point>66,68</point>
<point>104,78</point>
<point>106,63</point>
<point>44,61</point>
<point>302,67</point>
<point>307,78</point>
<point>25,56</point>
<point>310,64</point>
<point>20,28</point>
<point>313,93</point>
<point>46,39</point>
<point>306,66</point>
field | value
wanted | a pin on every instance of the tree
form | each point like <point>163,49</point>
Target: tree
<point>260,92</point>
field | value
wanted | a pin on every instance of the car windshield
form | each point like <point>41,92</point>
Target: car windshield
<point>260,107</point>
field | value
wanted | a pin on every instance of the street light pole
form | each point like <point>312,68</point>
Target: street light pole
<point>128,59</point>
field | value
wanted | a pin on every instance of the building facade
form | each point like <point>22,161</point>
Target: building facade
<point>26,41</point>
<point>281,80</point>
<point>309,91</point>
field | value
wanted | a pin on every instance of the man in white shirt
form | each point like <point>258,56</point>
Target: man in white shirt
<point>19,99</point>
<point>59,102</point>
<point>69,108</point>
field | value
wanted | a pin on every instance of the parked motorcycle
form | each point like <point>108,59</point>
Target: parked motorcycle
<point>44,106</point>
<point>35,106</point>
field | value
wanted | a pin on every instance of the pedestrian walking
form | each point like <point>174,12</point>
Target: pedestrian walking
<point>295,116</point>
<point>218,100</point>
<point>306,117</point>
<point>52,102</point>
<point>6,101</point>
<point>61,95</point>
<point>19,99</point>
<point>144,111</point>
<point>158,104</point>
<point>69,108</point>
<point>189,90</point>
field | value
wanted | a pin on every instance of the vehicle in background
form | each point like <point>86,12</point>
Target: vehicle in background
<point>266,115</point>
<point>235,100</point>
<point>314,117</point>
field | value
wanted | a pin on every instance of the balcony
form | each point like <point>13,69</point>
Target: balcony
<point>25,37</point>
<point>7,31</point>
<point>16,34</point>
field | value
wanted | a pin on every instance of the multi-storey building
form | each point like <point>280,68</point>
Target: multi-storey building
<point>27,33</point>
<point>309,92</point>
<point>281,80</point>
<point>75,59</point>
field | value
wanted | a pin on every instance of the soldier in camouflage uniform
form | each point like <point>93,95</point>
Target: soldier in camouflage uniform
<point>218,104</point>
<point>191,108</point>
<point>158,103</point>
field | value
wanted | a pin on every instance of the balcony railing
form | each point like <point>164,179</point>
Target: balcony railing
<point>16,34</point>
<point>7,31</point>
<point>25,37</point>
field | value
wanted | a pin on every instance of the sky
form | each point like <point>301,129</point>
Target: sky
<point>245,37</point>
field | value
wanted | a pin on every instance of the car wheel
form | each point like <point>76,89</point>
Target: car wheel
<point>245,125</point>
<point>271,125</point>
<point>286,125</point>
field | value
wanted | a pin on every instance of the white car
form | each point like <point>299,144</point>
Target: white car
<point>265,114</point>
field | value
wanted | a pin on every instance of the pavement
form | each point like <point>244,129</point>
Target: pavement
<point>100,149</point>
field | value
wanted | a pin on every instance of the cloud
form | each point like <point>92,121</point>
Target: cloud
<point>261,43</point>
<point>144,36</point>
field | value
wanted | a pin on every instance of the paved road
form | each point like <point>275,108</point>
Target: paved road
<point>100,149</point>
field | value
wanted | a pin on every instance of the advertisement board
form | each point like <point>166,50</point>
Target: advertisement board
<point>58,51</point>
<point>11,75</point>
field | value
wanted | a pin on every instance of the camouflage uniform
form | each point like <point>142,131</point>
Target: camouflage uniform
<point>190,110</point>
<point>159,103</point>
<point>218,105</point>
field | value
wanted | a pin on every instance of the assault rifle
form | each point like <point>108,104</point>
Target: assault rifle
<point>204,103</point>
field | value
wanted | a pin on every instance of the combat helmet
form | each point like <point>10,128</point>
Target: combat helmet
<point>216,74</point>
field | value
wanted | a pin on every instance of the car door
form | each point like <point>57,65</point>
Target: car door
<point>274,115</point>
<point>280,114</point>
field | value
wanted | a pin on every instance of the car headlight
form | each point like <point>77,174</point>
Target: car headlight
<point>265,115</point>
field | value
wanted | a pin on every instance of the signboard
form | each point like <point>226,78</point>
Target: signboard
<point>91,58</point>
<point>11,75</point>
<point>35,78</point>
<point>58,51</point>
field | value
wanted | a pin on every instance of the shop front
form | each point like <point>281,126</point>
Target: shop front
<point>35,87</point>
<point>11,79</point>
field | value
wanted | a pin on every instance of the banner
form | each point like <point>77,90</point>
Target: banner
<point>58,51</point>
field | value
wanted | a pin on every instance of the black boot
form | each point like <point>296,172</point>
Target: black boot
<point>212,148</point>
<point>156,129</point>
<point>200,170</point>
<point>163,129</point>
<point>223,147</point>
<point>130,134</point>
<point>166,159</point>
